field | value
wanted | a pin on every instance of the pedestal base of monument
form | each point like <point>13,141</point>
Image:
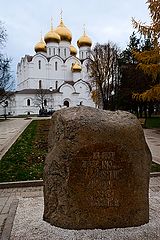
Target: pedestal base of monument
<point>96,223</point>
<point>96,173</point>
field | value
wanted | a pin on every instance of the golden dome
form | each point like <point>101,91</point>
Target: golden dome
<point>84,41</point>
<point>73,50</point>
<point>52,36</point>
<point>76,67</point>
<point>64,33</point>
<point>40,46</point>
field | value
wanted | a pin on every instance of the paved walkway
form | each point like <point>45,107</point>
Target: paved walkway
<point>29,201</point>
<point>153,139</point>
<point>8,199</point>
<point>10,131</point>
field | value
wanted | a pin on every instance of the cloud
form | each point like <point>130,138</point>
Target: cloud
<point>105,20</point>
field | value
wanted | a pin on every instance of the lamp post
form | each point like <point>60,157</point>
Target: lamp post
<point>112,105</point>
<point>5,112</point>
<point>51,90</point>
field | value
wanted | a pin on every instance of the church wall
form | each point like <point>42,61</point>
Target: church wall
<point>64,49</point>
<point>39,67</point>
<point>84,93</point>
<point>68,72</point>
<point>68,95</point>
<point>22,107</point>
<point>56,71</point>
<point>84,52</point>
<point>84,71</point>
<point>52,49</point>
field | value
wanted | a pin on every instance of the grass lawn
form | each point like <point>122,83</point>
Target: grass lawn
<point>155,167</point>
<point>25,159</point>
<point>153,122</point>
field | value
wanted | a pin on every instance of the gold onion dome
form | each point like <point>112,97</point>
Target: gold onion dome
<point>40,46</point>
<point>76,67</point>
<point>84,41</point>
<point>52,36</point>
<point>73,50</point>
<point>64,33</point>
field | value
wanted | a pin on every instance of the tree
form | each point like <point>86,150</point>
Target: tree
<point>134,44</point>
<point>41,100</point>
<point>133,78</point>
<point>149,60</point>
<point>6,81</point>
<point>103,70</point>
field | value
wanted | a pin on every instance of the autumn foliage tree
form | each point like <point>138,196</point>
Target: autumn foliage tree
<point>149,60</point>
<point>103,70</point>
<point>133,79</point>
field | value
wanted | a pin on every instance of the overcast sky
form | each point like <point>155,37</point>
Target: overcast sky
<point>104,19</point>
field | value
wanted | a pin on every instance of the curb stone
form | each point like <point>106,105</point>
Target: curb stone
<point>34,183</point>
<point>39,183</point>
<point>9,221</point>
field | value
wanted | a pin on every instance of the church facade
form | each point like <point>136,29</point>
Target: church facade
<point>54,77</point>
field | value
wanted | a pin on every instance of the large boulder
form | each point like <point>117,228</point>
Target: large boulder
<point>97,170</point>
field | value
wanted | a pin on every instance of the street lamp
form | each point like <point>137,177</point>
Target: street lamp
<point>5,106</point>
<point>51,90</point>
<point>112,102</point>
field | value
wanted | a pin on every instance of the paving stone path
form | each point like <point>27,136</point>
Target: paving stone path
<point>10,131</point>
<point>153,139</point>
<point>9,199</point>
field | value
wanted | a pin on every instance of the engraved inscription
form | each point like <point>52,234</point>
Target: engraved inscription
<point>100,175</point>
<point>102,172</point>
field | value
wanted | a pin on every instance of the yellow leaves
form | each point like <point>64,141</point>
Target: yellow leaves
<point>142,28</point>
<point>149,61</point>
<point>153,94</point>
<point>154,8</point>
<point>148,57</point>
<point>95,96</point>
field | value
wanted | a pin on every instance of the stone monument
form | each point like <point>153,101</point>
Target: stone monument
<point>97,170</point>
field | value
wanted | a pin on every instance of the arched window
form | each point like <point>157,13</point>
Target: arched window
<point>49,51</point>
<point>28,102</point>
<point>39,64</point>
<point>59,51</point>
<point>65,52</point>
<point>56,84</point>
<point>40,84</point>
<point>54,51</point>
<point>45,102</point>
<point>82,55</point>
<point>66,103</point>
<point>56,66</point>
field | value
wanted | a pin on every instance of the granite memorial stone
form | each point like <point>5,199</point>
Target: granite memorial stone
<point>97,170</point>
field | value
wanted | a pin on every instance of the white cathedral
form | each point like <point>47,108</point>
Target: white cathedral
<point>55,69</point>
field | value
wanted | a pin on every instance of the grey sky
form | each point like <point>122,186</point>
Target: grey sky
<point>104,19</point>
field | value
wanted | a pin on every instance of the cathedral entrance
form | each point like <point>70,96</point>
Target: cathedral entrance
<point>66,103</point>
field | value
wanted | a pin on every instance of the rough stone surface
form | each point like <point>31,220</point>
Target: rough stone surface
<point>97,171</point>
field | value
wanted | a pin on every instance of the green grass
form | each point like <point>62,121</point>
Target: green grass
<point>25,159</point>
<point>153,122</point>
<point>155,167</point>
